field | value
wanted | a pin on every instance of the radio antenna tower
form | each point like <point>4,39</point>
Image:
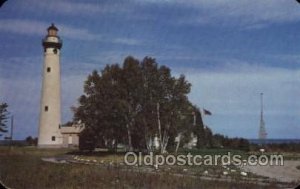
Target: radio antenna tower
<point>262,129</point>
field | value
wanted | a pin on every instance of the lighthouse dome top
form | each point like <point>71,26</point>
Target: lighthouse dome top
<point>52,40</point>
<point>52,27</point>
<point>52,30</point>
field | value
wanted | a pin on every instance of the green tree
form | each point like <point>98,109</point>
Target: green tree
<point>131,90</point>
<point>134,103</point>
<point>31,141</point>
<point>101,107</point>
<point>3,117</point>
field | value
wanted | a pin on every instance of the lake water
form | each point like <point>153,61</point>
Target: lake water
<point>274,141</point>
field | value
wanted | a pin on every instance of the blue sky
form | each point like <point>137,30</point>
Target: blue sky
<point>230,51</point>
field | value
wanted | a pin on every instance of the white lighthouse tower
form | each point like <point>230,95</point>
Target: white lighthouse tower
<point>50,110</point>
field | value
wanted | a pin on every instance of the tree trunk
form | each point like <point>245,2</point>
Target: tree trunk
<point>178,143</point>
<point>165,140</point>
<point>129,137</point>
<point>159,125</point>
<point>149,143</point>
<point>148,140</point>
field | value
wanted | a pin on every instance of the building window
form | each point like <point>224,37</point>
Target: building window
<point>55,51</point>
<point>48,69</point>
<point>46,108</point>
<point>53,138</point>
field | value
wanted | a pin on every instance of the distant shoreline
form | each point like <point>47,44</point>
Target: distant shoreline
<point>273,141</point>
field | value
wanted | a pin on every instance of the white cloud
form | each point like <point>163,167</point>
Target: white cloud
<point>28,27</point>
<point>76,8</point>
<point>32,27</point>
<point>289,58</point>
<point>86,35</point>
<point>79,34</point>
<point>236,91</point>
<point>251,14</point>
<point>125,41</point>
<point>112,57</point>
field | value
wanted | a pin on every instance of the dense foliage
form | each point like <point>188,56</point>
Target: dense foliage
<point>134,103</point>
<point>139,102</point>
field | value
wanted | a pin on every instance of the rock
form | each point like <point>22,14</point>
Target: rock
<point>262,150</point>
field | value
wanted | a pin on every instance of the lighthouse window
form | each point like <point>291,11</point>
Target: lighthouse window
<point>46,108</point>
<point>53,138</point>
<point>48,69</point>
<point>55,51</point>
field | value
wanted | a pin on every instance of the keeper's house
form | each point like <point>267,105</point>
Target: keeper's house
<point>70,135</point>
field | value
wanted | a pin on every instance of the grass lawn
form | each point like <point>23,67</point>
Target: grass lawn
<point>22,167</point>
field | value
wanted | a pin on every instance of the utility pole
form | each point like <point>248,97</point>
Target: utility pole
<point>11,128</point>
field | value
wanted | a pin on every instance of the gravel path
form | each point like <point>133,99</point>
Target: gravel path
<point>286,173</point>
<point>283,174</point>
